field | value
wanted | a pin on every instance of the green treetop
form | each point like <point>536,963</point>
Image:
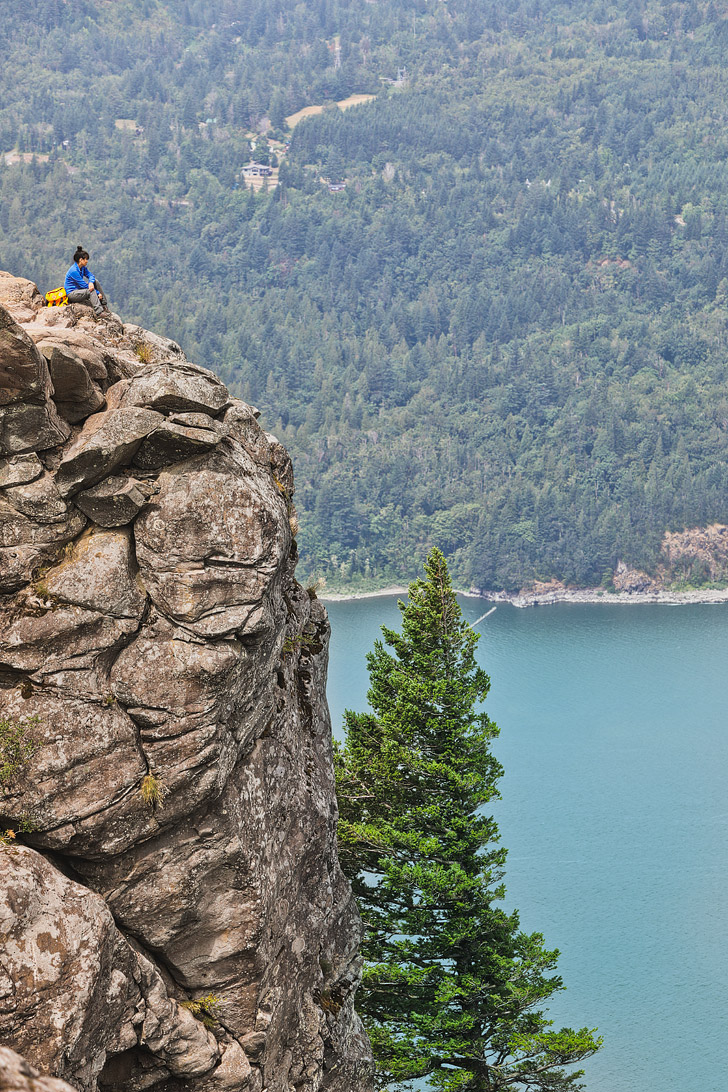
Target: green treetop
<point>452,989</point>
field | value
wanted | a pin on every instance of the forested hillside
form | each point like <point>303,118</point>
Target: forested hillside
<point>506,337</point>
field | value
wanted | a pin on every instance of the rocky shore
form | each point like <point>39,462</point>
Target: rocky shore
<point>599,595</point>
<point>706,546</point>
<point>560,594</point>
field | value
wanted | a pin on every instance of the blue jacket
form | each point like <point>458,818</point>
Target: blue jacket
<point>78,279</point>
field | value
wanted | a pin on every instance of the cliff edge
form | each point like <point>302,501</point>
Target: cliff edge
<point>175,918</point>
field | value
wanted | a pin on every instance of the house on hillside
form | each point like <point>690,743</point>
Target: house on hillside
<point>257,170</point>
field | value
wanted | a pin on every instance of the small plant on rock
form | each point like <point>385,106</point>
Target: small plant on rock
<point>206,1009</point>
<point>143,353</point>
<point>7,837</point>
<point>17,747</point>
<point>300,640</point>
<point>290,510</point>
<point>25,825</point>
<point>280,487</point>
<point>153,791</point>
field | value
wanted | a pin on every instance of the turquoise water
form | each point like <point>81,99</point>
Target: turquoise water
<point>613,737</point>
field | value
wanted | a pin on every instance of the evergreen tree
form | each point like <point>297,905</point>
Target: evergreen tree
<point>452,989</point>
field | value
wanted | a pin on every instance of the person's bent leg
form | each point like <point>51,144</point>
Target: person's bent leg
<point>79,295</point>
<point>96,303</point>
<point>102,297</point>
<point>84,295</point>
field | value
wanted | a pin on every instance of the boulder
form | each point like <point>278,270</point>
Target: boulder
<point>60,637</point>
<point>76,395</point>
<point>99,574</point>
<point>82,787</point>
<point>16,1075</point>
<point>232,1075</point>
<point>39,500</point>
<point>28,426</point>
<point>19,290</point>
<point>179,388</point>
<point>171,443</point>
<point>20,469</point>
<point>20,297</point>
<point>197,420</point>
<point>246,435</point>
<point>113,502</point>
<point>162,348</point>
<point>86,347</point>
<point>59,319</point>
<point>105,355</point>
<point>178,692</point>
<point>25,544</point>
<point>107,442</point>
<point>28,417</point>
<point>24,373</point>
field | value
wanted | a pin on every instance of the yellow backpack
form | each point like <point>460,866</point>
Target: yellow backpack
<point>56,297</point>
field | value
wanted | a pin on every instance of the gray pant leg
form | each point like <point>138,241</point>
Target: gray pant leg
<point>85,295</point>
<point>102,297</point>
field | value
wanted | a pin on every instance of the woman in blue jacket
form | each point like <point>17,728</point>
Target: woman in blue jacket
<point>81,285</point>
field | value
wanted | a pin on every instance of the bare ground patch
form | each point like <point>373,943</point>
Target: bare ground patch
<point>310,111</point>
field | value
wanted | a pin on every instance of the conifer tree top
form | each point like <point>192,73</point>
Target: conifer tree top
<point>452,989</point>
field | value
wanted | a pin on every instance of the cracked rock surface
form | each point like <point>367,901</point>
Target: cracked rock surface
<point>172,912</point>
<point>17,1076</point>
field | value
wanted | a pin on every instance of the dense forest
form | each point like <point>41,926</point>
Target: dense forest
<point>505,337</point>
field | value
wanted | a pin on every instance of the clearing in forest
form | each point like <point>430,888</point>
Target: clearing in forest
<point>309,111</point>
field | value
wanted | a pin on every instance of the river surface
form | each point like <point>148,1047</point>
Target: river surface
<point>614,739</point>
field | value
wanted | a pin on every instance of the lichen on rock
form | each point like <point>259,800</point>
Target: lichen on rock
<point>176,912</point>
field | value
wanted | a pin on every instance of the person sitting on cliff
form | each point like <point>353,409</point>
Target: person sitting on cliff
<point>81,285</point>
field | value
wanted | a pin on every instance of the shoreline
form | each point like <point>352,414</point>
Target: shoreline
<point>598,595</point>
<point>562,595</point>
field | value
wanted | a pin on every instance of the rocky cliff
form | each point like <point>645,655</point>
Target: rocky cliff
<point>173,916</point>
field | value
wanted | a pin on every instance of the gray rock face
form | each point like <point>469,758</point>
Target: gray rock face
<point>39,500</point>
<point>113,502</point>
<point>178,387</point>
<point>29,419</point>
<point>29,427</point>
<point>24,375</point>
<point>17,1076</point>
<point>26,545</point>
<point>171,443</point>
<point>20,469</point>
<point>209,545</point>
<point>107,442</point>
<point>175,918</point>
<point>75,393</point>
<point>79,988</point>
